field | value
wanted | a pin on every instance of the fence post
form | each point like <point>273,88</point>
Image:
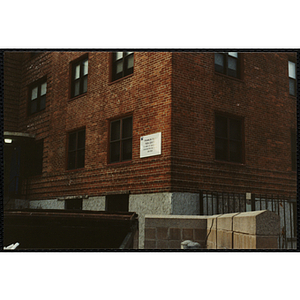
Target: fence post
<point>252,202</point>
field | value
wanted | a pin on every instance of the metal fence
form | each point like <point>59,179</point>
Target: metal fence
<point>212,203</point>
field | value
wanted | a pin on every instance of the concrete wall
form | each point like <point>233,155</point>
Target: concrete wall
<point>250,230</point>
<point>162,204</point>
<point>47,204</point>
<point>167,232</point>
<point>92,203</point>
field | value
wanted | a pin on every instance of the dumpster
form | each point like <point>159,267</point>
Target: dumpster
<point>44,229</point>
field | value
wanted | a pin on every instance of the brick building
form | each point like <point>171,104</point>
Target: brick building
<point>147,131</point>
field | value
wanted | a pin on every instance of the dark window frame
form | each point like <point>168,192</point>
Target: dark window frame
<point>119,140</point>
<point>239,142</point>
<point>126,56</point>
<point>292,81</point>
<point>76,150</point>
<point>82,77</point>
<point>40,100</point>
<point>226,57</point>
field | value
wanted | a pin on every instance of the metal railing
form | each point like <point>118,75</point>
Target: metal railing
<point>212,203</point>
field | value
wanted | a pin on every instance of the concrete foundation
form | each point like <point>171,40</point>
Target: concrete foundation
<point>47,204</point>
<point>94,203</point>
<point>162,204</point>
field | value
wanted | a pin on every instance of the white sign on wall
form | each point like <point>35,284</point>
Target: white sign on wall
<point>150,145</point>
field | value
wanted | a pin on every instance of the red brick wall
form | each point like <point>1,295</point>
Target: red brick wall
<point>197,92</point>
<point>261,97</point>
<point>146,95</point>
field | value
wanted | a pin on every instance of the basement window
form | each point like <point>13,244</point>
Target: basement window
<point>122,64</point>
<point>117,203</point>
<point>73,204</point>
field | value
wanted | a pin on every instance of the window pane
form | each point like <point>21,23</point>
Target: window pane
<point>115,130</point>
<point>43,88</point>
<point>119,67</point>
<point>33,107</point>
<point>80,158</point>
<point>221,149</point>
<point>85,67</point>
<point>292,70</point>
<point>76,88</point>
<point>232,63</point>
<point>42,102</point>
<point>34,93</point>
<point>72,141</point>
<point>221,127</point>
<point>235,152</point>
<point>219,62</point>
<point>71,160</point>
<point>292,87</point>
<point>234,54</point>
<point>77,72</point>
<point>130,62</point>
<point>115,152</point>
<point>235,129</point>
<point>118,55</point>
<point>84,88</point>
<point>127,128</point>
<point>127,149</point>
<point>81,140</point>
<point>219,59</point>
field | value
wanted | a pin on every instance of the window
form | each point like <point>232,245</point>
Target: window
<point>73,204</point>
<point>120,140</point>
<point>116,203</point>
<point>122,64</point>
<point>79,77</point>
<point>228,63</point>
<point>76,149</point>
<point>294,149</point>
<point>292,78</point>
<point>37,97</point>
<point>228,139</point>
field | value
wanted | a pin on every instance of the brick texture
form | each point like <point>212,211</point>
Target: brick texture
<point>261,97</point>
<point>176,94</point>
